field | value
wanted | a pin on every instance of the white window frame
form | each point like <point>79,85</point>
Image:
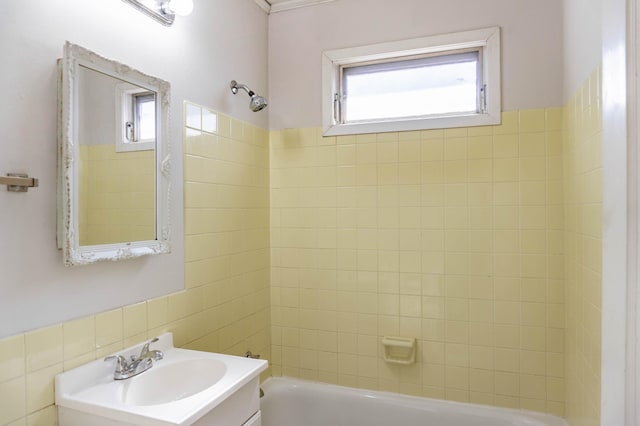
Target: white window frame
<point>125,93</point>
<point>487,39</point>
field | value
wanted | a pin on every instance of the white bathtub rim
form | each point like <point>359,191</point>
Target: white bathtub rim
<point>291,382</point>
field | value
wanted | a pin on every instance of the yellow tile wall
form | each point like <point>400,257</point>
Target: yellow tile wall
<point>117,202</point>
<point>454,237</point>
<point>226,199</point>
<point>225,305</point>
<point>583,250</point>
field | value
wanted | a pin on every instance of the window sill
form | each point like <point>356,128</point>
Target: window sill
<point>470,120</point>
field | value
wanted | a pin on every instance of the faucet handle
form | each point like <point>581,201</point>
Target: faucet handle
<point>121,362</point>
<point>145,348</point>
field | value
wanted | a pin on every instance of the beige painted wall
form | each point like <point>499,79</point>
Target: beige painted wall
<point>582,43</point>
<point>194,55</point>
<point>532,55</point>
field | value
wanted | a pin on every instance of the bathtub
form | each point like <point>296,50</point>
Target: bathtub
<point>293,402</point>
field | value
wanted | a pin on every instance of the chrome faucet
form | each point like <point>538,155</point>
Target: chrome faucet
<point>126,369</point>
<point>153,354</point>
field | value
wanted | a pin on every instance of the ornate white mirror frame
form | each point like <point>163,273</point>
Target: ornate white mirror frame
<point>69,160</point>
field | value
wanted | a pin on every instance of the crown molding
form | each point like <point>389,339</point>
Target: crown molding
<point>287,5</point>
<point>264,5</point>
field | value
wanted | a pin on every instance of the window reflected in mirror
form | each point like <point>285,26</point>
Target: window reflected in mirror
<point>117,140</point>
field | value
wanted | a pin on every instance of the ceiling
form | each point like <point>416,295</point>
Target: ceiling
<point>274,6</point>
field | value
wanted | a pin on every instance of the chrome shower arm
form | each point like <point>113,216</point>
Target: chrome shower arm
<point>235,86</point>
<point>257,103</point>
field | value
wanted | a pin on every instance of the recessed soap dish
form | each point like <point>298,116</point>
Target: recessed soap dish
<point>399,350</point>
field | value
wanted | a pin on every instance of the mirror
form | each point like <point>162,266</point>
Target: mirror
<point>113,160</point>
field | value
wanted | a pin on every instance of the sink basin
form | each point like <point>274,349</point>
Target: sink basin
<point>173,382</point>
<point>186,387</point>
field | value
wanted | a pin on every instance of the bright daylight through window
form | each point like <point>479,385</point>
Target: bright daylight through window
<point>434,82</point>
<point>144,107</point>
<point>136,111</point>
<point>417,87</point>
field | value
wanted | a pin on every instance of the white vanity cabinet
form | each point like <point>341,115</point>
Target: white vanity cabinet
<point>239,409</point>
<point>184,388</point>
<point>256,420</point>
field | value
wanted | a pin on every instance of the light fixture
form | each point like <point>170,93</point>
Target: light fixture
<point>178,7</point>
<point>163,11</point>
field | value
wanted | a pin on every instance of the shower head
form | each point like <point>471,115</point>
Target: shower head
<point>256,103</point>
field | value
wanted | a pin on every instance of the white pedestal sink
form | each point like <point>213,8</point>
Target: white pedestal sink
<point>185,388</point>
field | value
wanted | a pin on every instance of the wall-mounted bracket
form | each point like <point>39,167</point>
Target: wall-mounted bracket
<point>18,182</point>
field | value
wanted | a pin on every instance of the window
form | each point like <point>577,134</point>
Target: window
<point>144,117</point>
<point>136,115</point>
<point>443,81</point>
